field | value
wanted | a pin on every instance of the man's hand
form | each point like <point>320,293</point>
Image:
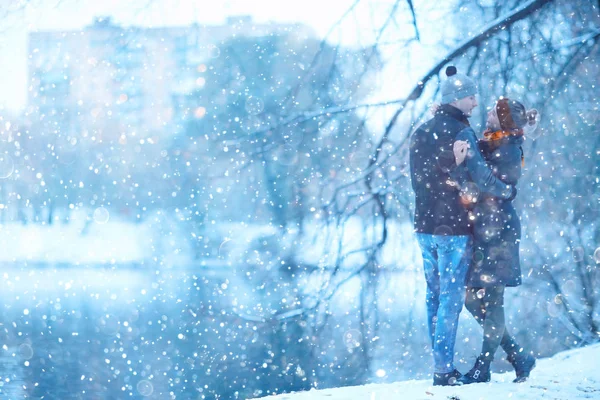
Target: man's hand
<point>460,148</point>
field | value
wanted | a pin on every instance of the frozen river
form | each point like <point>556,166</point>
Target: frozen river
<point>100,333</point>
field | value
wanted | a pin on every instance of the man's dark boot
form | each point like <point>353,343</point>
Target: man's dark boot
<point>523,365</point>
<point>479,373</point>
<point>447,379</point>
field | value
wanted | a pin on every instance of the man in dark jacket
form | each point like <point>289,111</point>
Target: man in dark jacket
<point>442,222</point>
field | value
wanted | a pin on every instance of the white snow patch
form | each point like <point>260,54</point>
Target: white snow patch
<point>113,242</point>
<point>569,375</point>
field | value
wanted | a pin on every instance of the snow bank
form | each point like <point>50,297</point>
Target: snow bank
<point>567,375</point>
<point>112,242</point>
<point>87,239</point>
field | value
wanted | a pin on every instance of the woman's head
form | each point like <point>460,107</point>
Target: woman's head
<point>492,119</point>
<point>511,115</point>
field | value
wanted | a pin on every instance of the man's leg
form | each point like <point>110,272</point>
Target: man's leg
<point>454,255</point>
<point>432,277</point>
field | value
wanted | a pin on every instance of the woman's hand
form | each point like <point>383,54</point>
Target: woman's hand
<point>461,147</point>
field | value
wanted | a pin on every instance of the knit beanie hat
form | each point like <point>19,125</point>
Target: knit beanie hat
<point>513,115</point>
<point>457,86</point>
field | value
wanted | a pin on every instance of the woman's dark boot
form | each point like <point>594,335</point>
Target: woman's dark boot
<point>479,373</point>
<point>523,365</point>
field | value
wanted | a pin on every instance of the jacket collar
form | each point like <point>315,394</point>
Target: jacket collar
<point>452,112</point>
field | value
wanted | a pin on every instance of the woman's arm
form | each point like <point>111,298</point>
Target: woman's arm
<point>481,174</point>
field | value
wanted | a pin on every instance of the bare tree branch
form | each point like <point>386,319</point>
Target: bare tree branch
<point>578,56</point>
<point>488,31</point>
<point>310,115</point>
<point>414,17</point>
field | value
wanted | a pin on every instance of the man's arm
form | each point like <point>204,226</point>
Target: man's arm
<point>480,172</point>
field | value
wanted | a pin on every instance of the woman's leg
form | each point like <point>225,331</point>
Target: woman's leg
<point>523,362</point>
<point>494,324</point>
<point>509,344</point>
<point>487,306</point>
<point>475,303</point>
<point>494,329</point>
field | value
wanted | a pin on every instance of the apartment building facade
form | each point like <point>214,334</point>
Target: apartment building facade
<point>108,81</point>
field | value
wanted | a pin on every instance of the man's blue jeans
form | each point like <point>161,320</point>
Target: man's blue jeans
<point>445,262</point>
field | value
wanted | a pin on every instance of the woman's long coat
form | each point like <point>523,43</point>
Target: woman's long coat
<point>497,229</point>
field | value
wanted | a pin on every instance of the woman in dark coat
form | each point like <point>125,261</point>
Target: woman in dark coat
<point>496,237</point>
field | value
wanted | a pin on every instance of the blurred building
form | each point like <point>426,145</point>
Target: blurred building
<point>108,81</point>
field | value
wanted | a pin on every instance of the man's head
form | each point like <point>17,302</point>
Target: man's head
<point>466,105</point>
<point>459,91</point>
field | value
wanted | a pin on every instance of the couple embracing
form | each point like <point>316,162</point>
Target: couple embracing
<point>466,225</point>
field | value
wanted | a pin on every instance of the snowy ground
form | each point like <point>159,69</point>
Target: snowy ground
<point>93,237</point>
<point>102,242</point>
<point>568,375</point>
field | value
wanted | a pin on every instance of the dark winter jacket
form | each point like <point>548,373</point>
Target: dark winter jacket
<point>435,176</point>
<point>497,229</point>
